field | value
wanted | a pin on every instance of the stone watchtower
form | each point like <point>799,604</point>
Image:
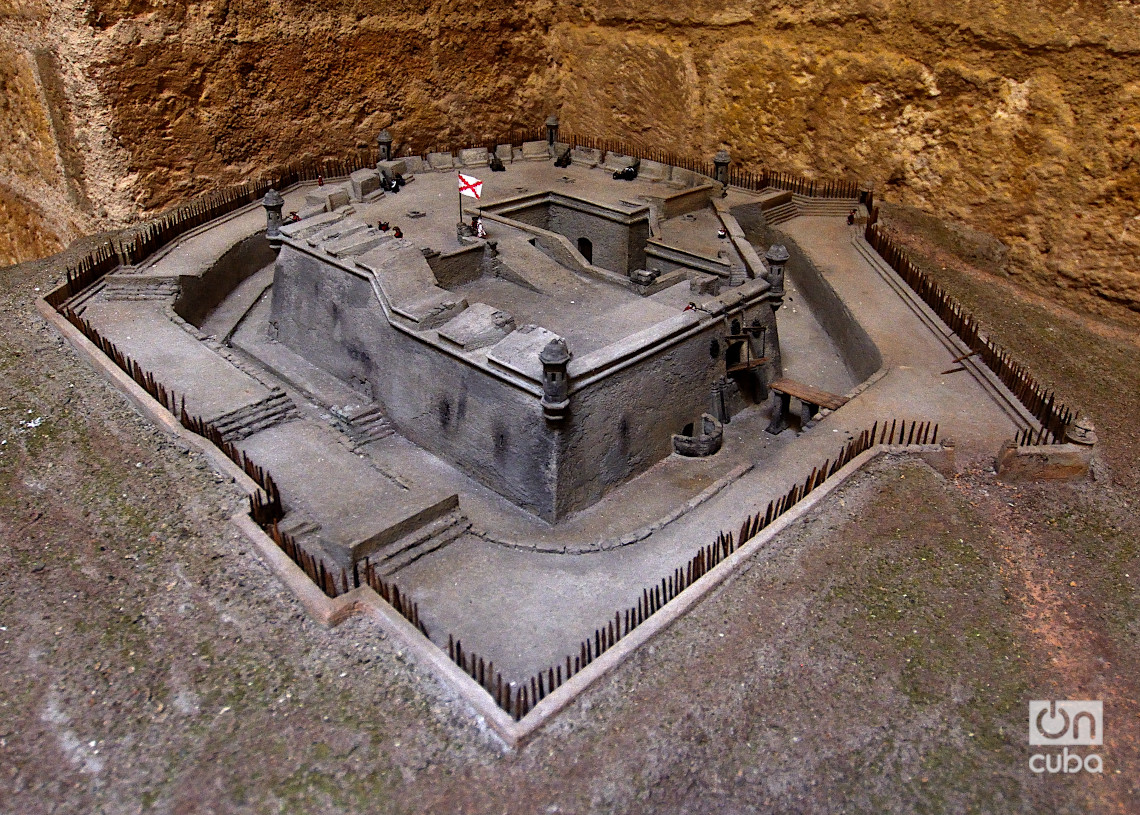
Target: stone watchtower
<point>555,381</point>
<point>720,166</point>
<point>273,203</point>
<point>384,146</point>
<point>777,256</point>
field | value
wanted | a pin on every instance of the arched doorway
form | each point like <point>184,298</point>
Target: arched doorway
<point>586,249</point>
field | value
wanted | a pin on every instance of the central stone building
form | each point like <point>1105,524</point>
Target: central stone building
<point>556,358</point>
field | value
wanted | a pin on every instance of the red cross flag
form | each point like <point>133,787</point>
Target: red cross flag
<point>470,186</point>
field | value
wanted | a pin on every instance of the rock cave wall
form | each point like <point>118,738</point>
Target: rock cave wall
<point>1019,120</point>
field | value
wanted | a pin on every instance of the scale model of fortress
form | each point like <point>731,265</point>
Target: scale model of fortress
<point>572,349</point>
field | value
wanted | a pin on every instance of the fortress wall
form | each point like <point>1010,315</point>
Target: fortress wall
<point>624,423</point>
<point>201,294</point>
<point>536,214</point>
<point>618,425</point>
<point>612,241</point>
<point>453,269</point>
<point>688,201</point>
<point>860,354</point>
<point>487,428</point>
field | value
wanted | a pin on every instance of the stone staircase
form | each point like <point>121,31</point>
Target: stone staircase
<point>364,426</point>
<point>782,213</point>
<point>427,539</point>
<point>804,205</point>
<point>835,207</point>
<point>276,408</point>
<point>126,287</point>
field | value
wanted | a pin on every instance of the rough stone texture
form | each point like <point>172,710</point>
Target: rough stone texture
<point>170,100</point>
<point>28,162</point>
<point>364,183</point>
<point>344,329</point>
<point>24,232</point>
<point>1021,123</point>
<point>1050,462</point>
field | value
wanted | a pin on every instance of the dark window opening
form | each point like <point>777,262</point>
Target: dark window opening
<point>736,326</point>
<point>714,349</point>
<point>732,356</point>
<point>586,249</point>
<point>687,430</point>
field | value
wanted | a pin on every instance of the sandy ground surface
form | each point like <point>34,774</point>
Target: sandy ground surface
<point>878,658</point>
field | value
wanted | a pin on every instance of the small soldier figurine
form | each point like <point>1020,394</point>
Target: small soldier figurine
<point>397,234</point>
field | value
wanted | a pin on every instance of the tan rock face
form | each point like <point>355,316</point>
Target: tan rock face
<point>24,232</point>
<point>1021,120</point>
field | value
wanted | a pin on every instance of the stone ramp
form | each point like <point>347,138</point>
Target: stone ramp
<point>528,266</point>
<point>359,508</point>
<point>409,286</point>
<point>211,385</point>
<point>223,320</point>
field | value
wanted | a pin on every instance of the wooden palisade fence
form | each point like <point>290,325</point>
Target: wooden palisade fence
<point>519,698</point>
<point>1040,401</point>
<point>265,506</point>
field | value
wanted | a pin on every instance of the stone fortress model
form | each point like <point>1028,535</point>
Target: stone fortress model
<point>529,408</point>
<point>558,357</point>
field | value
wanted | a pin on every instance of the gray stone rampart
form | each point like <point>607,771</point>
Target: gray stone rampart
<point>615,162</point>
<point>201,293</point>
<point>617,236</point>
<point>453,269</point>
<point>485,425</point>
<point>859,351</point>
<point>623,422</point>
<point>585,157</point>
<point>666,258</point>
<point>689,200</point>
<point>474,157</point>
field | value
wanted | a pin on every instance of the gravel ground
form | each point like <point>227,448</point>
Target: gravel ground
<point>877,657</point>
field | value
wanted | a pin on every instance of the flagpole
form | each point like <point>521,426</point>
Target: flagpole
<point>459,193</point>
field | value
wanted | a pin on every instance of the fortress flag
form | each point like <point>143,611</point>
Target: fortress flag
<point>470,186</point>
